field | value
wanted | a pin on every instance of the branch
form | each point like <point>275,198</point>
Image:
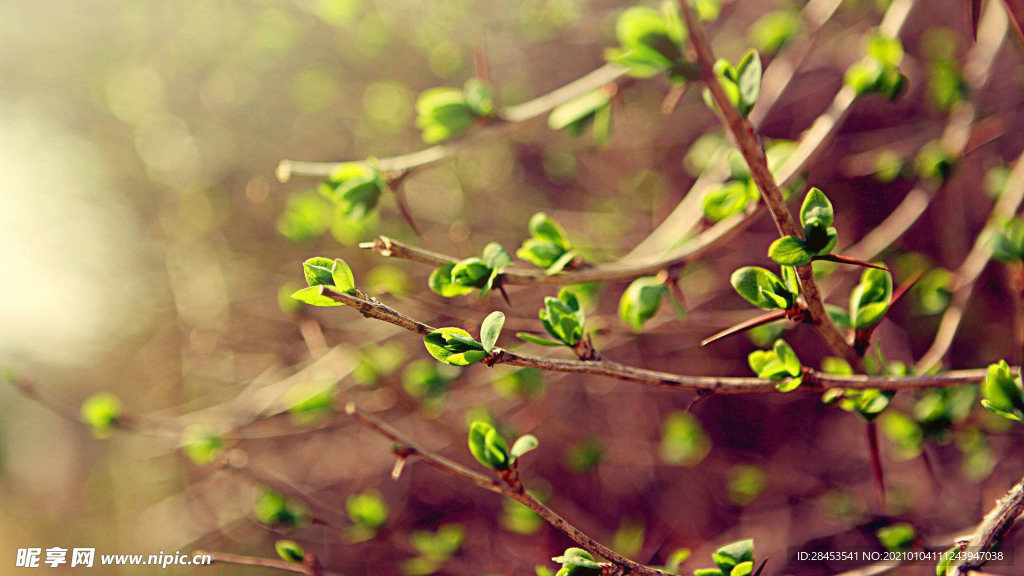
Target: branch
<point>972,266</point>
<point>814,381</point>
<point>507,120</point>
<point>312,569</point>
<point>753,153</point>
<point>992,529</point>
<point>511,488</point>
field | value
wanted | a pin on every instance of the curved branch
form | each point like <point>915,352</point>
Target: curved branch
<point>513,489</point>
<point>814,381</point>
<point>507,120</point>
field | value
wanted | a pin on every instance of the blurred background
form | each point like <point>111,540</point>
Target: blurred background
<point>147,250</point>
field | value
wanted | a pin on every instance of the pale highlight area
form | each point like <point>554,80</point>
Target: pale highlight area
<point>66,245</point>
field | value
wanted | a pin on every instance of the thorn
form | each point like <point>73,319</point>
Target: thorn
<point>501,288</point>
<point>350,408</point>
<point>396,472</point>
<point>761,567</point>
<point>671,100</point>
<point>744,326</point>
<point>975,18</point>
<point>701,394</point>
<point>840,259</point>
<point>876,463</point>
<point>403,209</point>
<point>905,287</point>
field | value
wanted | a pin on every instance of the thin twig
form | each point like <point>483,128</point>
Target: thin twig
<point>513,489</point>
<point>971,268</point>
<point>509,117</point>
<point>991,530</point>
<point>750,146</point>
<point>814,381</point>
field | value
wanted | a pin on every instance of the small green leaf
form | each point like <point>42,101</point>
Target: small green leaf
<point>748,80</point>
<point>790,251</point>
<point>522,445</point>
<point>318,271</point>
<point>290,551</point>
<point>440,282</point>
<point>578,109</point>
<point>1002,392</point>
<point>870,299</point>
<point>311,295</point>
<point>641,301</point>
<point>762,288</point>
<point>367,509</point>
<point>454,346</point>
<point>816,210</point>
<point>487,446</point>
<point>577,557</point>
<point>729,556</point>
<point>897,537</point>
<point>102,412</point>
<point>490,329</point>
<point>275,509</point>
<point>534,339</point>
<point>496,257</point>
<point>560,264</point>
<point>728,199</point>
<point>683,440</point>
<point>202,444</point>
<point>341,275</point>
<point>479,96</point>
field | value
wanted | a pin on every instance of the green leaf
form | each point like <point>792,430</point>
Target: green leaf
<point>319,271</point>
<point>816,210</point>
<point>774,30</point>
<point>787,357</point>
<point>577,557</point>
<point>311,295</point>
<point>897,537</point>
<point>440,282</point>
<point>454,346</point>
<point>748,80</point>
<point>729,556</point>
<point>790,251</point>
<point>870,299</point>
<point>1002,392</point>
<point>487,446</point>
<point>367,509</point>
<point>534,339</point>
<point>310,401</point>
<point>341,274</point>
<point>479,96</point>
<point>762,288</point>
<point>683,440</point>
<point>101,412</point>
<point>496,257</point>
<point>707,572</point>
<point>472,272</point>
<point>742,569</point>
<point>201,444</point>
<point>576,110</point>
<point>275,509</point>
<point>641,301</point>
<point>728,199</point>
<point>490,329</point>
<point>560,264</point>
<point>290,551</point>
<point>522,445</point>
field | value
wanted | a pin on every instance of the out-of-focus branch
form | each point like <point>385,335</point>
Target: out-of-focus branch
<point>311,569</point>
<point>509,486</point>
<point>955,138</point>
<point>508,119</point>
<point>750,146</point>
<point>814,381</point>
<point>991,530</point>
<point>971,268</point>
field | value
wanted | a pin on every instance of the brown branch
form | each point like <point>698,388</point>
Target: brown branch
<point>814,381</point>
<point>508,119</point>
<point>991,530</point>
<point>750,146</point>
<point>311,569</point>
<point>510,487</point>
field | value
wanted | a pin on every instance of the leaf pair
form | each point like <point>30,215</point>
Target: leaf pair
<point>577,562</point>
<point>869,302</point>
<point>780,363</point>
<point>102,413</point>
<point>490,449</point>
<point>819,239</point>
<point>735,559</point>
<point>563,319</point>
<point>321,271</point>
<point>465,276</point>
<point>1008,243</point>
<point>444,113</point>
<point>456,347</point>
<point>742,82</point>
<point>650,42</point>
<point>879,70</point>
<point>355,187</point>
<point>766,290</point>
<point>1002,393</point>
<point>548,247</point>
<point>591,109</point>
